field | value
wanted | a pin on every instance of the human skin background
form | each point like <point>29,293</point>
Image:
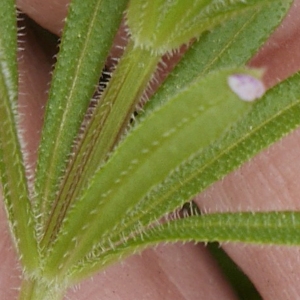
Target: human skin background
<point>267,182</point>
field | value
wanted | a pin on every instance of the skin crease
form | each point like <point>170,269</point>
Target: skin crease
<point>267,182</point>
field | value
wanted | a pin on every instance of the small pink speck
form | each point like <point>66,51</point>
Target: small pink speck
<point>246,87</point>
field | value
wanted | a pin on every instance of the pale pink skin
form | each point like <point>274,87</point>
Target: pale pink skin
<point>267,182</point>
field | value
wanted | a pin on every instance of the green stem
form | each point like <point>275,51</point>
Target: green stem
<point>37,290</point>
<point>108,123</point>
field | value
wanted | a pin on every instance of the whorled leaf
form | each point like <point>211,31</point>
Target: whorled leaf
<point>107,124</point>
<point>86,41</point>
<point>267,228</point>
<point>234,149</point>
<point>271,118</point>
<point>162,26</point>
<point>12,171</point>
<point>188,122</point>
<point>255,18</point>
<point>231,46</point>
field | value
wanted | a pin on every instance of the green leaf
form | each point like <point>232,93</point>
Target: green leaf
<point>14,185</point>
<point>188,122</point>
<point>107,125</point>
<point>161,26</point>
<point>231,44</point>
<point>268,228</point>
<point>271,118</point>
<point>273,228</point>
<point>87,38</point>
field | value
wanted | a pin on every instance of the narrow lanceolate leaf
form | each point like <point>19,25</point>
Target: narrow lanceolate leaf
<point>230,45</point>
<point>89,32</point>
<point>188,122</point>
<point>274,116</point>
<point>14,185</point>
<point>107,125</point>
<point>268,228</point>
<point>233,43</point>
<point>162,26</point>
